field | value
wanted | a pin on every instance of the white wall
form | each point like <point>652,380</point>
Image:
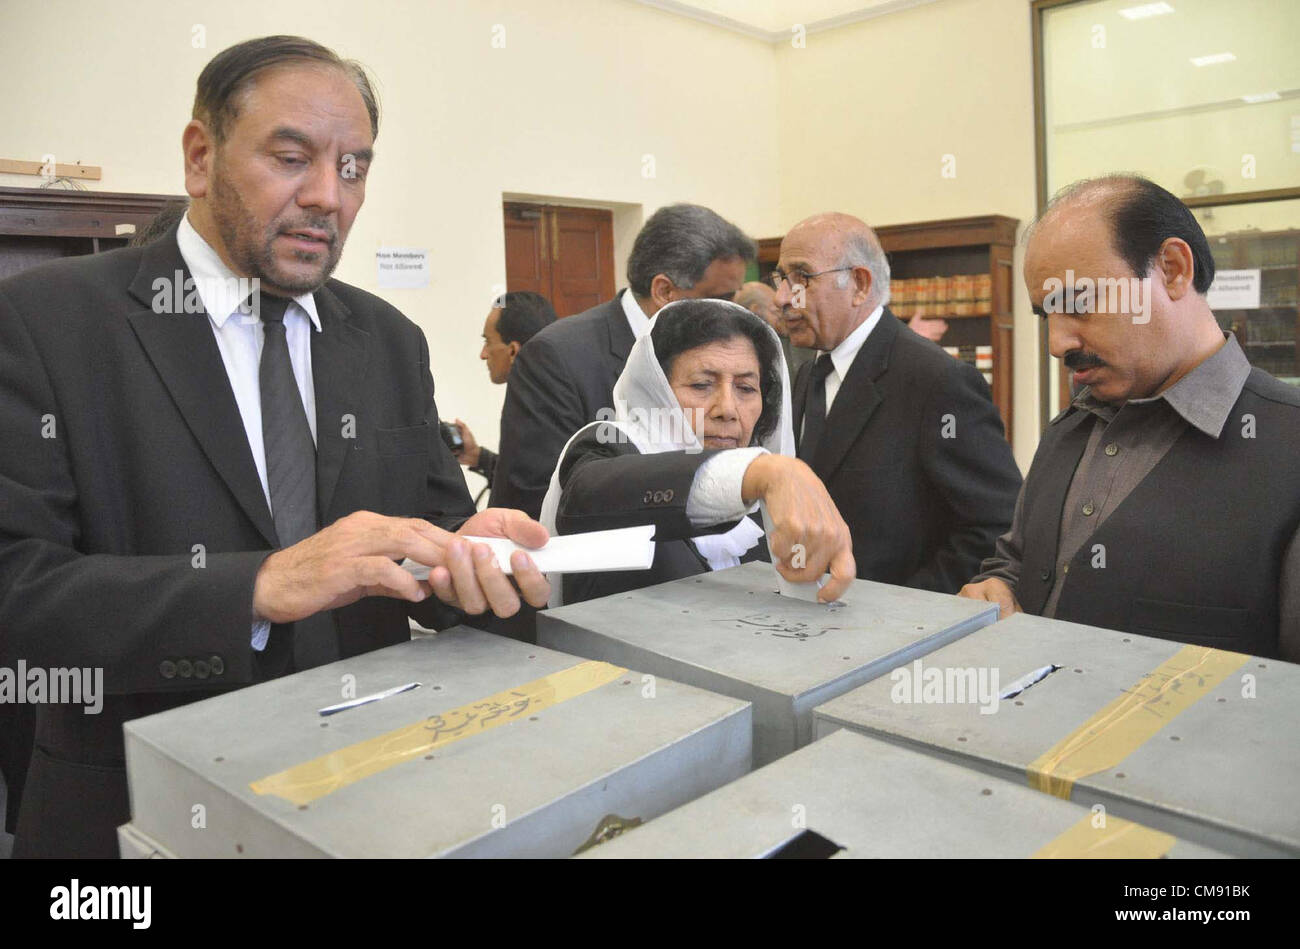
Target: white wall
<point>582,90</point>
<point>870,110</point>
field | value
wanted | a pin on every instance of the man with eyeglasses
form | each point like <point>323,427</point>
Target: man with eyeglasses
<point>905,437</point>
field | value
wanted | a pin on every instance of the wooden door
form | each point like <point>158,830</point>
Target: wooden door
<point>565,254</point>
<point>528,259</point>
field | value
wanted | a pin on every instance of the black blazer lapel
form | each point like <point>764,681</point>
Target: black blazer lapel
<point>858,397</point>
<point>799,398</point>
<point>620,334</point>
<point>338,366</point>
<point>184,354</point>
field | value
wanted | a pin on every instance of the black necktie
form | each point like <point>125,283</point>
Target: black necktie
<point>814,414</point>
<point>290,471</point>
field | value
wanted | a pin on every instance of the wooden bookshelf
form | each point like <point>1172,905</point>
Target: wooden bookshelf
<point>970,246</point>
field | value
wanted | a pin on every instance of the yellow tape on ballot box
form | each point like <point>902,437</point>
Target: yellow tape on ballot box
<point>1125,724</point>
<point>312,780</point>
<point>1116,838</point>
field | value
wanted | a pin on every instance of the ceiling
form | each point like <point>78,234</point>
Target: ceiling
<point>773,20</point>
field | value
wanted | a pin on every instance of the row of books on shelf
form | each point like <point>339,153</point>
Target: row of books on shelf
<point>1280,363</point>
<point>981,357</point>
<point>1275,252</point>
<point>958,295</point>
<point>1266,327</point>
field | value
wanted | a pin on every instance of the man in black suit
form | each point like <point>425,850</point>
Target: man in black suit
<point>194,497</point>
<point>565,374</point>
<point>906,438</point>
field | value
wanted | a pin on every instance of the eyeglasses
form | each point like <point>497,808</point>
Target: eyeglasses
<point>798,278</point>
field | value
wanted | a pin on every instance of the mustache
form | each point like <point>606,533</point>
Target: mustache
<point>324,226</point>
<point>1077,359</point>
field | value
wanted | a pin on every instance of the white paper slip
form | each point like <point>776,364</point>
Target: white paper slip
<point>628,548</point>
<point>807,590</point>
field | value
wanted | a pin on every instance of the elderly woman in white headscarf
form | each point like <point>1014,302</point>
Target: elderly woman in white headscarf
<point>700,433</point>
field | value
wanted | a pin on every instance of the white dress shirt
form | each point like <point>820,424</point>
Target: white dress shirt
<point>239,339</point>
<point>842,356</point>
<point>637,321</point>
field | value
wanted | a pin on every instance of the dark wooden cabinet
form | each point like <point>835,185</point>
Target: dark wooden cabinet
<point>40,224</point>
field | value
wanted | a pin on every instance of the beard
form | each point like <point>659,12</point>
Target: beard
<point>251,247</point>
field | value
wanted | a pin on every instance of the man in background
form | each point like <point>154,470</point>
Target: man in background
<point>521,315</point>
<point>906,438</point>
<point>760,299</point>
<point>1165,499</point>
<point>566,373</point>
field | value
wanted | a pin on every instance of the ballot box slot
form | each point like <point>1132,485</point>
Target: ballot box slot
<point>1028,680</point>
<point>805,845</point>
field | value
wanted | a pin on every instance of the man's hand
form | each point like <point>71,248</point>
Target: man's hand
<point>928,327</point>
<point>471,580</point>
<point>993,590</point>
<point>807,528</point>
<point>358,555</point>
<point>469,452</point>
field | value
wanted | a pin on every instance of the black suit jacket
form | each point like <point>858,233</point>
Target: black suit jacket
<point>130,539</point>
<point>607,484</point>
<point>915,457</point>
<point>561,378</point>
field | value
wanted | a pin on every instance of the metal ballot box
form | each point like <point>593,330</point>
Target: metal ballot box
<point>506,749</point>
<point>1194,741</point>
<point>731,633</point>
<point>852,796</point>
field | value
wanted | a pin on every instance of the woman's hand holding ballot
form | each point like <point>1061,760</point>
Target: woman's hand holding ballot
<point>808,536</point>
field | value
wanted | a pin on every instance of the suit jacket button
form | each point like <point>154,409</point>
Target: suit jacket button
<point>1045,575</point>
<point>201,669</point>
<point>184,668</point>
<point>217,665</point>
<point>668,495</point>
<point>649,496</point>
<point>167,669</point>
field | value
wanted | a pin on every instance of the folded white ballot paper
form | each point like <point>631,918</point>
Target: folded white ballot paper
<point>628,548</point>
<point>799,591</point>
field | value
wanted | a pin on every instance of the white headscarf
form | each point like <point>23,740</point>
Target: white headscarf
<point>648,414</point>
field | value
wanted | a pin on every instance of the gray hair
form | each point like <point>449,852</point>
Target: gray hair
<point>861,251</point>
<point>680,241</point>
